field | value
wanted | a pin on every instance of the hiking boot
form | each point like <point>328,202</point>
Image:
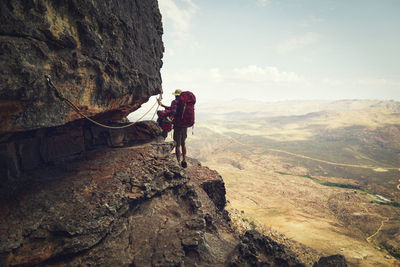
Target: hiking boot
<point>184,164</point>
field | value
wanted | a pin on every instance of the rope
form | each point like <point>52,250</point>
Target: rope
<point>158,101</point>
<point>74,107</point>
<point>152,118</point>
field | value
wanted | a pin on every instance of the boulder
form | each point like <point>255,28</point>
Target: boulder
<point>259,250</point>
<point>331,261</point>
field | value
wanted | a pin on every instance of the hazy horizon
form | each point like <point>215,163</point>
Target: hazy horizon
<point>248,105</point>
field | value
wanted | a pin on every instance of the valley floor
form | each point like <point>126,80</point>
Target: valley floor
<point>327,219</point>
<point>327,177</point>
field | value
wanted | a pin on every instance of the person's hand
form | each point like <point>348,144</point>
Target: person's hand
<point>159,101</point>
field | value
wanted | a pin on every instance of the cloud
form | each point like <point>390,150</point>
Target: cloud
<point>297,42</point>
<point>269,83</point>
<point>364,82</point>
<point>384,82</point>
<point>334,82</point>
<point>188,76</point>
<point>255,73</point>
<point>251,81</point>
<point>251,73</point>
<point>216,74</point>
<point>272,83</point>
<point>179,14</point>
<point>263,2</point>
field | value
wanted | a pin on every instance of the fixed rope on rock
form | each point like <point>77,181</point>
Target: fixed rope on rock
<point>159,99</point>
<point>74,107</point>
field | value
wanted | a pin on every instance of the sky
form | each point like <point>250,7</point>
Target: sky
<point>277,50</point>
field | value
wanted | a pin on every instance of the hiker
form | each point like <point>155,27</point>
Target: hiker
<point>165,122</point>
<point>182,110</point>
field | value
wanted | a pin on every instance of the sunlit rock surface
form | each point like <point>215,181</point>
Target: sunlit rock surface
<point>129,206</point>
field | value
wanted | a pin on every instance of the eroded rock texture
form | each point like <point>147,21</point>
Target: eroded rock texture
<point>104,56</point>
<point>26,151</point>
<point>258,250</point>
<point>129,206</point>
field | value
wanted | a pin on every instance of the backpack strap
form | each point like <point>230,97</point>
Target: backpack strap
<point>183,111</point>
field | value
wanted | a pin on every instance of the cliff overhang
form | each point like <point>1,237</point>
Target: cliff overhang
<point>104,56</point>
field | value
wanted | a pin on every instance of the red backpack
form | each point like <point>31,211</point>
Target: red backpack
<point>164,121</point>
<point>185,113</point>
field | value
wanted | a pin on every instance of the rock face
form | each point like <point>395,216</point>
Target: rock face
<point>104,56</point>
<point>27,151</point>
<point>129,206</point>
<point>210,181</point>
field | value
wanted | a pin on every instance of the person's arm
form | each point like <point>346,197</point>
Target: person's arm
<point>161,104</point>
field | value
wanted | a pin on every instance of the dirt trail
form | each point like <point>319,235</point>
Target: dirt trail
<point>323,161</point>
<point>332,163</point>
<point>377,231</point>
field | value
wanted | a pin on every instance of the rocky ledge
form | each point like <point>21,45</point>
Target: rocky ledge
<point>126,206</point>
